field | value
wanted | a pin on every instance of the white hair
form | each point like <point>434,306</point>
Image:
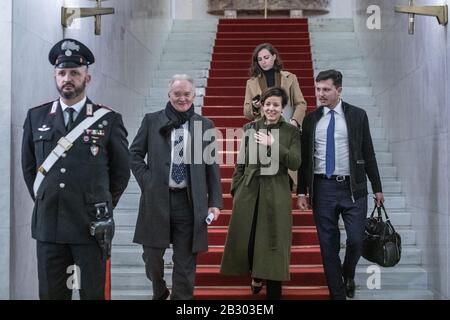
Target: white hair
<point>179,77</point>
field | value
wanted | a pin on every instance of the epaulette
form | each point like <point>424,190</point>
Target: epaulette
<point>44,104</point>
<point>106,107</point>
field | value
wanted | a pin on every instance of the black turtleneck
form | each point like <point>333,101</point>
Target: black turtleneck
<point>270,77</point>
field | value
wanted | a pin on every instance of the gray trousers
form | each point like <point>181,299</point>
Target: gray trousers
<point>184,261</point>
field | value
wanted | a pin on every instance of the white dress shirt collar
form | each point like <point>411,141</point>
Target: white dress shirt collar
<point>77,106</point>
<point>338,109</point>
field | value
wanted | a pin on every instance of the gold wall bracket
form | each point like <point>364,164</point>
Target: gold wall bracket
<point>440,12</point>
<point>68,15</point>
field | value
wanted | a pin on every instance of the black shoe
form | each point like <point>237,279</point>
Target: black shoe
<point>164,296</point>
<point>349,288</point>
<point>256,286</point>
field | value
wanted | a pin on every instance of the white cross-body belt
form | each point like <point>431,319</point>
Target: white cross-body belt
<point>64,144</point>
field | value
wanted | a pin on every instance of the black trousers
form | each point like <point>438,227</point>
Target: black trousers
<point>184,260</point>
<point>331,199</point>
<point>273,287</point>
<point>64,267</point>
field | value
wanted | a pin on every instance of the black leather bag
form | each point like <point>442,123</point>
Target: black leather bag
<point>382,244</point>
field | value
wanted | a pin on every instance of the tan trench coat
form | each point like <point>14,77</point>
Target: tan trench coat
<point>289,83</point>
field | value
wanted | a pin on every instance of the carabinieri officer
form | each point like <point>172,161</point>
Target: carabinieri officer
<point>75,163</point>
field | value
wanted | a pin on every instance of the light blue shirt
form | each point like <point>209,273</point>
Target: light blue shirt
<point>342,160</point>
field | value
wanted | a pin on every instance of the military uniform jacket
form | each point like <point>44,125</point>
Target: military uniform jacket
<point>96,169</point>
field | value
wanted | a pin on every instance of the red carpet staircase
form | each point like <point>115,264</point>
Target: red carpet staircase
<point>223,103</point>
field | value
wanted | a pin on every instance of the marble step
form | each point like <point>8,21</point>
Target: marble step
<point>205,22</point>
<point>340,64</point>
<point>124,236</point>
<point>193,72</point>
<point>389,185</point>
<point>355,81</point>
<point>134,278</point>
<point>185,56</point>
<point>337,35</point>
<point>330,25</point>
<point>360,295</point>
<point>358,99</point>
<point>163,82</point>
<point>341,39</point>
<point>380,145</point>
<point>161,93</point>
<point>193,29</point>
<point>185,24</point>
<point>375,122</point>
<point>387,172</point>
<point>176,46</point>
<point>394,295</point>
<point>189,37</point>
<point>135,252</point>
<point>377,133</point>
<point>399,277</point>
<point>383,157</point>
<point>360,90</point>
<point>131,294</point>
<point>319,55</point>
<point>372,111</point>
<point>128,217</point>
<point>324,44</point>
<point>347,73</point>
<point>132,257</point>
<point>176,66</point>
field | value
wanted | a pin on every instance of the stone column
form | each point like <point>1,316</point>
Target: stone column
<point>5,142</point>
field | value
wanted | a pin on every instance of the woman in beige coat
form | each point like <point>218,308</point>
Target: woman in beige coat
<point>266,71</point>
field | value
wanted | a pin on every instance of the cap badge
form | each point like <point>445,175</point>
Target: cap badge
<point>68,47</point>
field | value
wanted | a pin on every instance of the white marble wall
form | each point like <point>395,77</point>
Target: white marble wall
<point>411,81</point>
<point>127,52</point>
<point>191,9</point>
<point>5,138</point>
<point>198,9</point>
<point>340,9</point>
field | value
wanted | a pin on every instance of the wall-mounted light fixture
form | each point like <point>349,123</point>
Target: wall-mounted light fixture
<point>68,15</point>
<point>440,12</point>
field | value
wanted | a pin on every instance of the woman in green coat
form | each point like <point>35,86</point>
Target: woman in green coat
<point>259,235</point>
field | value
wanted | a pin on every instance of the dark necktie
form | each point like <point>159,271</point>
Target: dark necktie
<point>69,125</point>
<point>329,158</point>
<point>178,165</point>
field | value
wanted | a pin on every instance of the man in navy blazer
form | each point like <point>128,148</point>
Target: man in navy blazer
<point>337,158</point>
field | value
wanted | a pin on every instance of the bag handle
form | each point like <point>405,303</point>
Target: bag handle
<point>380,216</point>
<point>387,221</point>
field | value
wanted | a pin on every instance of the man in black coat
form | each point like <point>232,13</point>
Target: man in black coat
<point>180,185</point>
<point>337,157</point>
<point>75,183</point>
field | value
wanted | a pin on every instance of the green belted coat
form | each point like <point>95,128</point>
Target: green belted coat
<point>253,189</point>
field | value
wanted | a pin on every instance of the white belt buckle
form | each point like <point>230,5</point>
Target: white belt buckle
<point>64,143</point>
<point>340,178</point>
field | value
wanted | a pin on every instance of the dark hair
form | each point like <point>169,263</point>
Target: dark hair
<point>334,75</point>
<point>274,92</point>
<point>255,69</point>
